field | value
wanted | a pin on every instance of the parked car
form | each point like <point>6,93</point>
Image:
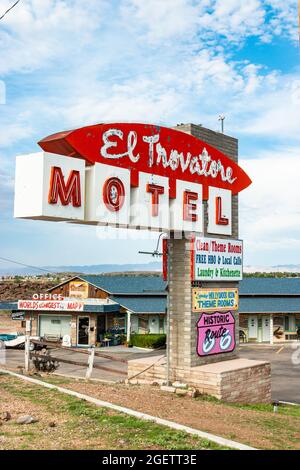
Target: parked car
<point>16,341</point>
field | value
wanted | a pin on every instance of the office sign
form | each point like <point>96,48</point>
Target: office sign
<point>211,300</point>
<point>215,333</point>
<point>215,259</point>
<point>129,175</point>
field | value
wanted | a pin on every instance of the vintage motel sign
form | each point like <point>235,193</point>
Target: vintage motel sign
<point>215,299</point>
<point>129,175</point>
<point>216,259</point>
<point>215,333</point>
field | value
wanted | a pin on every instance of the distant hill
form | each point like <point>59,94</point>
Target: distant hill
<point>83,269</point>
<point>280,268</point>
<point>154,266</point>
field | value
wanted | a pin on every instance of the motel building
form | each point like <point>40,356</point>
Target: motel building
<point>106,309</point>
<point>269,309</point>
<point>96,310</point>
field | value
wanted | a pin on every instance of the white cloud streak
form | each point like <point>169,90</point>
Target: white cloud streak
<point>270,207</point>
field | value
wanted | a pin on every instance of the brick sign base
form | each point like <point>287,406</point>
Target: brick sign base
<point>234,381</point>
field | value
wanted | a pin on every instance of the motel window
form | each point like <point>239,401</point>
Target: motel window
<point>292,323</point>
<point>116,324</point>
<point>161,324</point>
<point>278,321</point>
<point>286,323</point>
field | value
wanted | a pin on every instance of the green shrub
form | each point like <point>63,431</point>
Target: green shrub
<point>151,341</point>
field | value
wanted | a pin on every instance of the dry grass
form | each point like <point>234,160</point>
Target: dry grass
<point>77,424</point>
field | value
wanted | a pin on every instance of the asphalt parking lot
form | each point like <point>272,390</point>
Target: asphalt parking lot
<point>285,367</point>
<point>284,359</point>
<point>105,368</point>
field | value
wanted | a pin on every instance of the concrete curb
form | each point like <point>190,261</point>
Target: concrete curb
<point>164,422</point>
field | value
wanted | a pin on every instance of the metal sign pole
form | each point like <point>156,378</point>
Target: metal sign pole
<point>168,315</point>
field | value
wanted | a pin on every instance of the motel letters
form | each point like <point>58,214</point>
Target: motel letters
<point>129,175</point>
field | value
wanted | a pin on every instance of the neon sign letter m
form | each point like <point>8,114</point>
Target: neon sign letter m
<point>67,192</point>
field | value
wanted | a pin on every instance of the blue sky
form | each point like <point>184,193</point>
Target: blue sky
<point>68,63</point>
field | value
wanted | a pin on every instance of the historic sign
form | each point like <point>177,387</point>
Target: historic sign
<point>216,333</point>
<point>129,175</point>
<point>211,300</point>
<point>215,259</point>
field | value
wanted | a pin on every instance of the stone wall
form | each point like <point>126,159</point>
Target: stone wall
<point>234,381</point>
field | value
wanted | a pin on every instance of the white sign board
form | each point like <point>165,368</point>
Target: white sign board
<point>216,259</point>
<point>132,175</point>
<point>56,305</point>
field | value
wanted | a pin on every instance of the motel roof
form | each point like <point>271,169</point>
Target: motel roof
<point>143,304</point>
<point>154,285</point>
<point>269,304</point>
<point>270,286</point>
<point>128,284</point>
<point>8,305</point>
<point>146,294</point>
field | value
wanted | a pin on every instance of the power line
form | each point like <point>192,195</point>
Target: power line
<point>26,265</point>
<point>16,3</point>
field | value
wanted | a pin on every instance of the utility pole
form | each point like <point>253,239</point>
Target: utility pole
<point>27,345</point>
<point>168,314</point>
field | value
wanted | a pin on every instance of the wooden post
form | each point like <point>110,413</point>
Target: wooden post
<point>90,363</point>
<point>271,329</point>
<point>128,326</point>
<point>27,344</point>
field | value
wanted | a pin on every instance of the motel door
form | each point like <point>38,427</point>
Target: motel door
<point>153,324</point>
<point>83,331</point>
<point>252,326</point>
<point>266,329</point>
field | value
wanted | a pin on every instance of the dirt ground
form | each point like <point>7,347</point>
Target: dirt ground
<point>261,429</point>
<point>14,436</point>
<point>12,289</point>
<point>66,422</point>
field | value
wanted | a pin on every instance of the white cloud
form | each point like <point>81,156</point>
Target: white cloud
<point>161,20</point>
<point>270,207</point>
<point>167,95</point>
<point>37,32</point>
<point>233,20</point>
<point>283,18</point>
<point>6,189</point>
<point>14,131</point>
<point>70,63</point>
<point>140,99</point>
<point>275,110</point>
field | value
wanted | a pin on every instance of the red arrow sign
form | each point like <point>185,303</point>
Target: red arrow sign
<point>151,149</point>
